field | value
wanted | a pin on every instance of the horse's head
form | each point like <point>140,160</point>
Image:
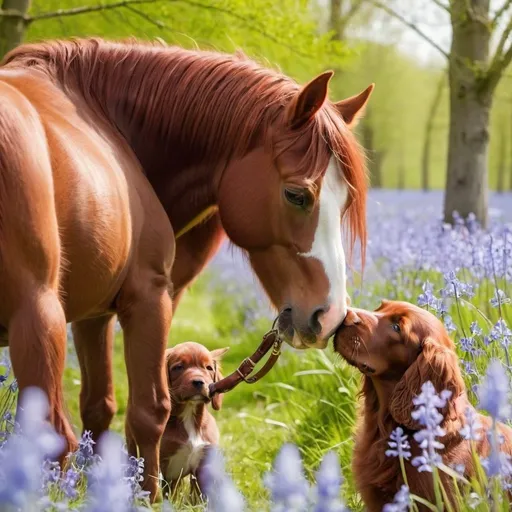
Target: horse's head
<point>283,203</point>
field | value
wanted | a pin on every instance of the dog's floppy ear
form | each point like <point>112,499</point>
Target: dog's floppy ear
<point>436,363</point>
<point>167,369</point>
<point>217,356</point>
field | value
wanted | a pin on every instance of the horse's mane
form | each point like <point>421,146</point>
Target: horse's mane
<point>150,92</point>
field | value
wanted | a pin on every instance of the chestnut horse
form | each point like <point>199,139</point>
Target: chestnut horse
<point>108,151</point>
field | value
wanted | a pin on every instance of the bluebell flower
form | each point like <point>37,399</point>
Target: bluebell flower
<point>469,368</point>
<point>68,483</point>
<point>399,445</point>
<point>493,392</point>
<point>107,489</point>
<point>288,487</point>
<point>84,455</point>
<point>498,463</point>
<point>22,456</point>
<point>449,324</point>
<point>475,329</point>
<point>501,332</point>
<point>426,413</point>
<point>401,502</point>
<point>427,298</point>
<point>468,345</point>
<point>471,430</point>
<point>499,299</point>
<point>329,480</point>
<point>459,468</point>
<point>221,492</point>
<point>50,473</point>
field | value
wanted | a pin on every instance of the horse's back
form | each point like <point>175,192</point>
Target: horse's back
<point>29,238</point>
<point>68,197</point>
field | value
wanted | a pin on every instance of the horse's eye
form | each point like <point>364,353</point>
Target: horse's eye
<point>295,197</point>
<point>395,327</point>
<point>209,368</point>
<point>177,368</point>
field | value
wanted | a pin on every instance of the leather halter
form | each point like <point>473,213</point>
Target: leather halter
<point>271,340</point>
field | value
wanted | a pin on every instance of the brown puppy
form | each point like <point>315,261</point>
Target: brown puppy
<point>191,429</point>
<point>399,347</point>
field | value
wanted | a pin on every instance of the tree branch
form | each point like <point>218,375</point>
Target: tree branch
<point>409,24</point>
<point>501,58</point>
<point>501,11</point>
<point>442,6</point>
<point>86,9</point>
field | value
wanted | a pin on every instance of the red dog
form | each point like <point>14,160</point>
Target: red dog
<point>191,368</point>
<point>398,348</point>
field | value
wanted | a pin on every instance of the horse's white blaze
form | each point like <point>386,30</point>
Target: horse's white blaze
<point>328,249</point>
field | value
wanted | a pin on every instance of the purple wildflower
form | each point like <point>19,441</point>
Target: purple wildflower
<point>288,486</point>
<point>107,489</point>
<point>399,445</point>
<point>427,298</point>
<point>426,412</point>
<point>401,502</point>
<point>468,345</point>
<point>68,483</point>
<point>221,492</point>
<point>329,480</point>
<point>501,332</point>
<point>475,329</point>
<point>493,392</point>
<point>84,455</point>
<point>471,430</point>
<point>499,299</point>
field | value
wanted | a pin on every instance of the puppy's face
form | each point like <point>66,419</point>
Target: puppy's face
<point>385,342</point>
<point>191,368</point>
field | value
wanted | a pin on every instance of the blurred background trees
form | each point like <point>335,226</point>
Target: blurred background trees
<point>441,113</point>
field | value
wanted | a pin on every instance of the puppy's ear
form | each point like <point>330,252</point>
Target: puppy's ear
<point>436,363</point>
<point>167,369</point>
<point>217,356</point>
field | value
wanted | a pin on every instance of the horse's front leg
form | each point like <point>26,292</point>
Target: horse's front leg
<point>94,339</point>
<point>145,311</point>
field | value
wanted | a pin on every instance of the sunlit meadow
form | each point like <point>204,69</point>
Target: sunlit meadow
<point>286,441</point>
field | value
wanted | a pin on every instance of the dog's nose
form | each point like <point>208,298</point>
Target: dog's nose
<point>351,318</point>
<point>198,384</point>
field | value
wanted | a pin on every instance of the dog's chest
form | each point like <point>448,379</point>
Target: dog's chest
<point>188,457</point>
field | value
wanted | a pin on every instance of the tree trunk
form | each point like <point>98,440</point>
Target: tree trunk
<point>401,171</point>
<point>335,23</point>
<point>470,104</point>
<point>425,159</point>
<point>500,185</point>
<point>510,166</point>
<point>13,29</point>
<point>375,157</point>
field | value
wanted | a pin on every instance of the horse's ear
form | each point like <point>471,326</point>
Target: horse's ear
<point>351,109</point>
<point>309,100</point>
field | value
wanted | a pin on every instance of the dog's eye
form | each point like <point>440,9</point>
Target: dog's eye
<point>395,327</point>
<point>177,368</point>
<point>209,368</point>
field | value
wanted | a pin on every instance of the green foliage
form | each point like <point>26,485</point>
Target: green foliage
<point>280,34</point>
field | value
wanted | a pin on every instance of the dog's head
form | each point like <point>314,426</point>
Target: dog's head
<point>191,368</point>
<point>402,346</point>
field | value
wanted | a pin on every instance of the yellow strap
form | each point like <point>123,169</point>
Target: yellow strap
<point>198,219</point>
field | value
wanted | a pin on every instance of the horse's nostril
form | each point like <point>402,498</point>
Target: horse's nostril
<point>314,321</point>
